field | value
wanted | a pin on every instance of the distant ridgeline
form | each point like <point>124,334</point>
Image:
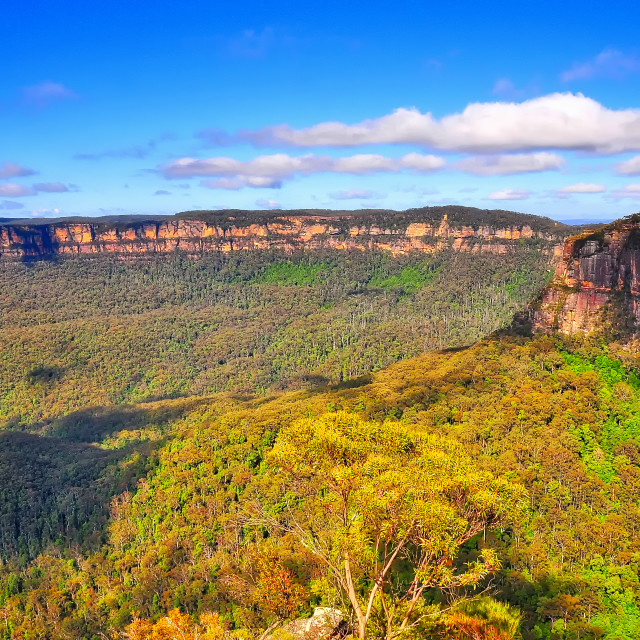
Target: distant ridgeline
<point>596,285</point>
<point>427,229</point>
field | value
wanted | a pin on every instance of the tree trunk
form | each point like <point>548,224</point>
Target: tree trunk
<point>362,621</point>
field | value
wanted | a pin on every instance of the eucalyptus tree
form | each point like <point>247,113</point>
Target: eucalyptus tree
<point>386,509</point>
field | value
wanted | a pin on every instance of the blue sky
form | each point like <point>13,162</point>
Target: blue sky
<point>157,107</point>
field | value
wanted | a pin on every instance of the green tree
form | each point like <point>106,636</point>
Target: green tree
<point>386,509</point>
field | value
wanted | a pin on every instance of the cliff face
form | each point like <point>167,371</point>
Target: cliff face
<point>398,234</point>
<point>599,274</point>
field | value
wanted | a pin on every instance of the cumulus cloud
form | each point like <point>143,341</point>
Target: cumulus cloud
<point>556,121</point>
<point>45,93</point>
<point>239,182</point>
<point>13,190</point>
<point>265,203</point>
<point>12,170</point>
<point>609,63</point>
<point>583,187</point>
<point>352,194</point>
<point>363,163</point>
<point>630,191</point>
<point>51,187</point>
<point>278,165</point>
<point>580,188</point>
<point>270,171</point>
<point>511,163</point>
<point>420,162</point>
<point>509,194</point>
<point>630,167</point>
<point>9,205</point>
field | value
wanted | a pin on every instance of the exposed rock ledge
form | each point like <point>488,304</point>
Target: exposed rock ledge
<point>599,274</point>
<point>325,624</point>
<point>395,232</point>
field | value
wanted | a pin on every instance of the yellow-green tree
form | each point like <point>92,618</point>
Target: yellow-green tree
<point>386,509</point>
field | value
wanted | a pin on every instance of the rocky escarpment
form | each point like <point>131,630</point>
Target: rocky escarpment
<point>596,285</point>
<point>428,229</point>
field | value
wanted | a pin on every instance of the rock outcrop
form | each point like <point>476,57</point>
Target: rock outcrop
<point>325,624</point>
<point>596,286</point>
<point>428,230</point>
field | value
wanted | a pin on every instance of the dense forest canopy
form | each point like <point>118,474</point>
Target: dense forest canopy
<point>559,419</point>
<point>99,330</point>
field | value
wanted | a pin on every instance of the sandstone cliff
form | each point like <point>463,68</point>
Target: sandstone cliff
<point>596,285</point>
<point>429,229</point>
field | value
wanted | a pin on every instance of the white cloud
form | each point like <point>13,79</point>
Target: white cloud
<point>510,164</point>
<point>270,171</point>
<point>46,92</point>
<point>363,163</point>
<point>12,190</point>
<point>239,182</point>
<point>265,203</point>
<point>419,162</point>
<point>352,194</point>
<point>224,183</point>
<point>278,165</point>
<point>609,63</point>
<point>509,194</point>
<point>12,170</point>
<point>51,187</point>
<point>630,167</point>
<point>555,121</point>
<point>630,191</point>
<point>582,187</point>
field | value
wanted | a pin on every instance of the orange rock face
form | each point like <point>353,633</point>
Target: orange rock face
<point>599,271</point>
<point>288,233</point>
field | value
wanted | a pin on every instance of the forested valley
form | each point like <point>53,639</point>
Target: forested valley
<point>211,447</point>
<point>102,330</point>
